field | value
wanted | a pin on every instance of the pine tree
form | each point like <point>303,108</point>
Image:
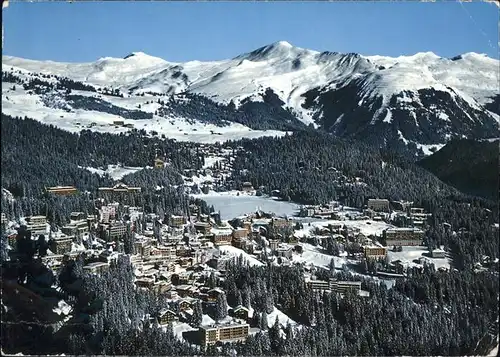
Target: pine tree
<point>197,313</point>
<point>221,306</point>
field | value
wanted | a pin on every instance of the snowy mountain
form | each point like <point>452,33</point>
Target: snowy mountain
<point>418,101</point>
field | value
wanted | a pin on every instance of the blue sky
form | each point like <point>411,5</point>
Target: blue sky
<point>176,31</point>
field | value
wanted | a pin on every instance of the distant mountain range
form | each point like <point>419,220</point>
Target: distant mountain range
<point>417,102</point>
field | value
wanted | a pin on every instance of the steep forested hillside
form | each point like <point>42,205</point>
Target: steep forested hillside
<point>267,114</point>
<point>35,156</point>
<point>315,167</point>
<point>470,166</point>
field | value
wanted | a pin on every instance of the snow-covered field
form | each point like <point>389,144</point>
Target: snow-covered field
<point>367,227</point>
<point>312,255</point>
<point>230,205</point>
<point>116,172</point>
<point>18,103</point>
<point>233,251</point>
<point>411,253</point>
<point>282,318</point>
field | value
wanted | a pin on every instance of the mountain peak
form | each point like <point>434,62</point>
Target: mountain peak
<point>136,54</point>
<point>284,44</point>
<point>276,50</point>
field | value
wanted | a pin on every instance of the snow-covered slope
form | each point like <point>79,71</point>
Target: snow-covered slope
<point>429,99</point>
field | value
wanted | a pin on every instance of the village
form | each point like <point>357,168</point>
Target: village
<point>184,256</point>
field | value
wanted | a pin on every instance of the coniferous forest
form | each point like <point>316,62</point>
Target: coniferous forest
<point>430,312</point>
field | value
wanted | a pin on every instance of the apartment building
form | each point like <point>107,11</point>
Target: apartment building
<point>202,227</point>
<point>168,251</point>
<point>403,236</point>
<point>213,333</point>
<point>4,219</point>
<point>378,205</point>
<point>177,221</point>
<point>240,233</point>
<point>77,228</point>
<point>37,225</point>
<point>62,190</point>
<point>77,216</point>
<point>96,267</point>
<point>116,230</point>
<point>143,247</point>
<point>320,285</point>
<point>222,236</point>
<point>61,244</point>
<point>374,252</point>
<point>343,287</point>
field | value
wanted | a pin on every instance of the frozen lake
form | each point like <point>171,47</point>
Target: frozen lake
<point>231,206</point>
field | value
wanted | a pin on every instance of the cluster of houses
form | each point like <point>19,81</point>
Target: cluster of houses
<point>376,209</point>
<point>181,256</point>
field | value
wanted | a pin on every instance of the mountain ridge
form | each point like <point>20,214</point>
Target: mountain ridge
<point>422,99</point>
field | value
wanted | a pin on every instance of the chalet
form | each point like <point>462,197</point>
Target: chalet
<point>185,290</point>
<point>159,163</point>
<point>306,211</point>
<point>53,261</point>
<point>213,294</point>
<point>185,304</point>
<point>167,316</point>
<point>273,244</point>
<point>241,312</point>
<point>247,187</point>
<point>240,233</point>
<point>361,238</point>
<point>285,251</point>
